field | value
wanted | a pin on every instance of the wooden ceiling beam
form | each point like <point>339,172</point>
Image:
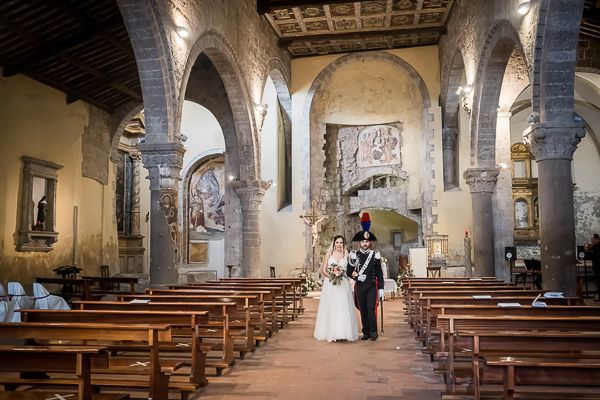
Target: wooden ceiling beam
<point>265,6</point>
<point>60,87</point>
<point>48,50</point>
<point>108,80</point>
<point>287,41</point>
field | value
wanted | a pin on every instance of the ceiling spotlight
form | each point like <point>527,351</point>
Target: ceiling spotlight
<point>231,177</point>
<point>524,7</point>
<point>182,32</point>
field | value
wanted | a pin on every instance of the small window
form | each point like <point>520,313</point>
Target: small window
<point>397,239</point>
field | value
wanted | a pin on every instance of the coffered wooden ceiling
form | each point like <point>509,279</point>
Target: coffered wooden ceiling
<point>308,28</point>
<point>590,21</point>
<point>80,47</point>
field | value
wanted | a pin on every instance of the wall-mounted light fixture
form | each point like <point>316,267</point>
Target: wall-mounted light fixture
<point>231,178</point>
<point>182,32</point>
<point>524,7</point>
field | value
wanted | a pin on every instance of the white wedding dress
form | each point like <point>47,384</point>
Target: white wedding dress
<point>336,318</point>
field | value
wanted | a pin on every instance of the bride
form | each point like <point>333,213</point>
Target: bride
<point>336,319</point>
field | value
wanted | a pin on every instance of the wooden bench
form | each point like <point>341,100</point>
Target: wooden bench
<point>72,360</point>
<point>475,345</point>
<point>450,325</point>
<point>279,292</point>
<point>184,324</point>
<point>153,371</point>
<point>433,306</point>
<point>553,372</point>
<point>268,300</point>
<point>248,319</point>
<point>215,329</point>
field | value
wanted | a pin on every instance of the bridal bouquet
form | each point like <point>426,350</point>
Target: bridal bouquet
<point>336,274</point>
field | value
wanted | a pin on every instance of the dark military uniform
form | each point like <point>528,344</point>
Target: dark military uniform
<point>366,290</point>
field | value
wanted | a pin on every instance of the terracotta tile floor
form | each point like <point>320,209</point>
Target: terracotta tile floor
<point>292,365</point>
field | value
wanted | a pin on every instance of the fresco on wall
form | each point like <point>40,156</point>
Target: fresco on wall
<point>378,145</point>
<point>206,218</point>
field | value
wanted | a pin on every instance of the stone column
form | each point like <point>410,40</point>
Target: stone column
<point>482,182</point>
<point>136,156</point>
<point>553,148</point>
<point>449,136</point>
<point>250,194</point>
<point>164,162</point>
<point>504,221</point>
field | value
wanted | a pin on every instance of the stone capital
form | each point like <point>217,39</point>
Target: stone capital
<point>250,193</point>
<point>555,142</point>
<point>481,179</point>
<point>164,162</point>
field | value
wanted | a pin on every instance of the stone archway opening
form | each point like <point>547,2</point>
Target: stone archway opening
<point>396,233</point>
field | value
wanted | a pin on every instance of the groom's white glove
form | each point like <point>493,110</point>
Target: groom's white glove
<point>381,292</point>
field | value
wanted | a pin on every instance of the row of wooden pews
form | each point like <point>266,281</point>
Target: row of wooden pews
<point>491,340</point>
<point>157,343</point>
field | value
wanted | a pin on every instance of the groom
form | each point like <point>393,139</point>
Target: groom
<point>365,269</point>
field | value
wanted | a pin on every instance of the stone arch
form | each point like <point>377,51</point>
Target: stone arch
<point>450,114</point>
<point>119,121</point>
<point>214,45</point>
<point>150,44</point>
<point>555,50</point>
<point>502,42</point>
<point>310,126</point>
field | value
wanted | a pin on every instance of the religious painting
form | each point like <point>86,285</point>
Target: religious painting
<point>378,145</point>
<point>206,201</point>
<point>198,252</point>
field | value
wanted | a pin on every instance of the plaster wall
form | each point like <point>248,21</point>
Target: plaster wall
<point>36,121</point>
<point>363,104</point>
<point>454,208</point>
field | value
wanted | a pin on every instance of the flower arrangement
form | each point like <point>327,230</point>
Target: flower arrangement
<point>310,283</point>
<point>405,273</point>
<point>336,274</point>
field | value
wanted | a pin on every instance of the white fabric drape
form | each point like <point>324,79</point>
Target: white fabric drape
<point>46,301</point>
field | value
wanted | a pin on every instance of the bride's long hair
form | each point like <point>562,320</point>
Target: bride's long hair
<point>331,248</point>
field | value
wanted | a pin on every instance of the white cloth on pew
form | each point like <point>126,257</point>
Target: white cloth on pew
<point>46,301</point>
<point>2,292</point>
<point>7,311</point>
<point>17,293</point>
<point>389,285</point>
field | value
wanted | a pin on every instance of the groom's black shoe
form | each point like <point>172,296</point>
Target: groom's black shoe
<point>374,336</point>
<point>365,337</point>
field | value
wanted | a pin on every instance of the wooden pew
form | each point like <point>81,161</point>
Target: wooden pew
<point>297,299</point>
<point>155,372</point>
<point>281,294</point>
<point>73,360</point>
<point>450,325</point>
<point>249,317</point>
<point>574,373</point>
<point>268,296</point>
<point>182,323</point>
<point>217,328</point>
<point>431,307</point>
<point>479,292</point>
<point>539,344</point>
